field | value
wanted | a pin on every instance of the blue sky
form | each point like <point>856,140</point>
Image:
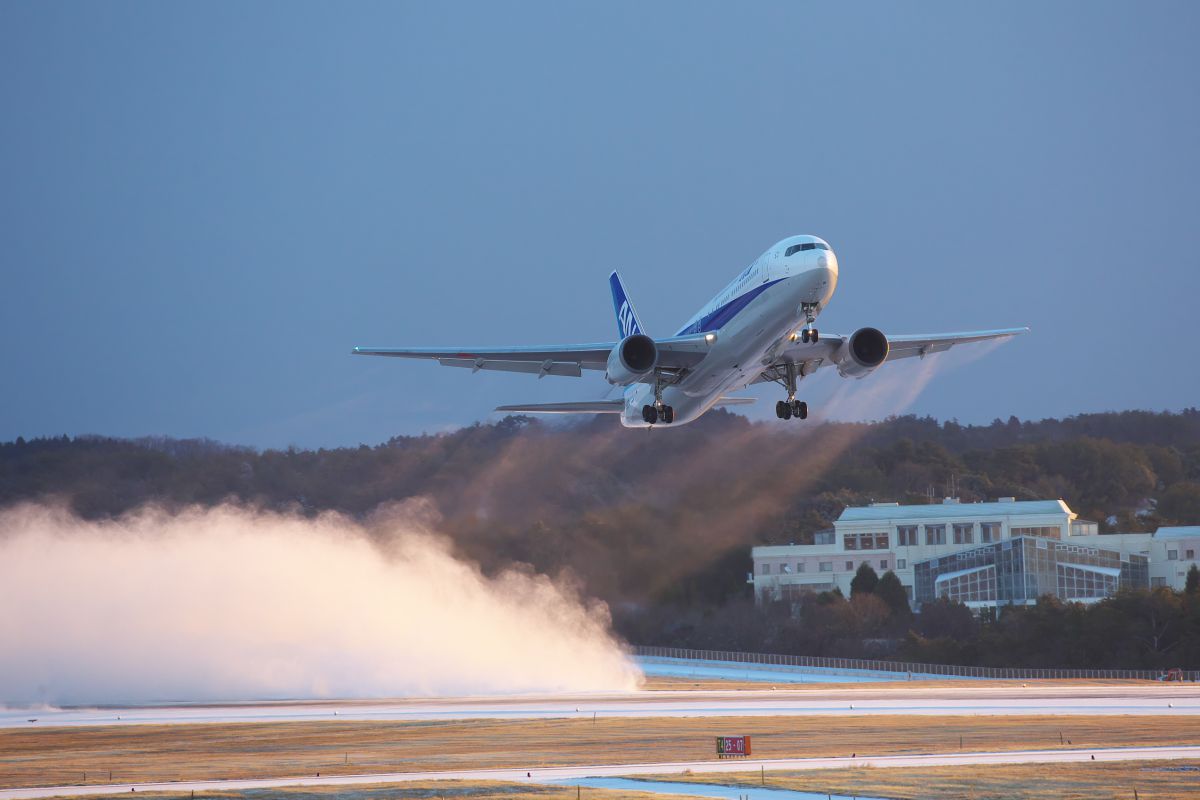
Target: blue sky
<point>207,205</point>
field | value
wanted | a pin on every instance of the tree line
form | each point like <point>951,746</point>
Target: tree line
<point>658,524</point>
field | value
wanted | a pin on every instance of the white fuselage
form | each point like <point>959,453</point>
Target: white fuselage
<point>752,318</point>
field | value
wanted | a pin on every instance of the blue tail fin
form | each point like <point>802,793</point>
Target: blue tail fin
<point>627,319</point>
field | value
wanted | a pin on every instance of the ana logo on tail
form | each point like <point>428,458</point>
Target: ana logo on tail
<point>627,320</point>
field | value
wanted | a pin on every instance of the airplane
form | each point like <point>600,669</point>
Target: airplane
<point>759,328</point>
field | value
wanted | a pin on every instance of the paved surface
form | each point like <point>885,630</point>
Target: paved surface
<point>565,774</point>
<point>960,698</point>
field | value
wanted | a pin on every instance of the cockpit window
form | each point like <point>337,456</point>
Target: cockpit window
<point>806,246</point>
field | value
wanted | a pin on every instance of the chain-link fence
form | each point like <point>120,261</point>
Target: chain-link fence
<point>904,669</point>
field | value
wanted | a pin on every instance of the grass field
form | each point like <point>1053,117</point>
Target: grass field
<point>146,753</point>
<point>434,790</point>
<point>1153,780</point>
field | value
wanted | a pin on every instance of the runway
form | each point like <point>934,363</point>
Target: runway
<point>567,774</point>
<point>961,698</point>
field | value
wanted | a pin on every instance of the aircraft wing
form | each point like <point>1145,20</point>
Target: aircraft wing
<point>675,354</point>
<point>825,352</point>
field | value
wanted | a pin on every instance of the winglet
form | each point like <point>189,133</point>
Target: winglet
<point>627,319</point>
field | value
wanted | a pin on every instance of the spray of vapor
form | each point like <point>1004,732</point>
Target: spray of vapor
<point>895,387</point>
<point>231,603</point>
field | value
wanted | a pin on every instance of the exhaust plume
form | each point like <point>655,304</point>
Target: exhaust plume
<point>232,603</point>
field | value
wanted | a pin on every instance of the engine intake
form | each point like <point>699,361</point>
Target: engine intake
<point>862,353</point>
<point>633,358</point>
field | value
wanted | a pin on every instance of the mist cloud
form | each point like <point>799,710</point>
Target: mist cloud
<point>230,603</point>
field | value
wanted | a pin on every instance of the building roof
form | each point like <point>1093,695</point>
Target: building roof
<point>1182,532</point>
<point>953,510</point>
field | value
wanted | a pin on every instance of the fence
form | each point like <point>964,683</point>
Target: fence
<point>903,668</point>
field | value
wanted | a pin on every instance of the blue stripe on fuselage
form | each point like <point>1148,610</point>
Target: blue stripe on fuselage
<point>718,318</point>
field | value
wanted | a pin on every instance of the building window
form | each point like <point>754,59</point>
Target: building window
<point>799,566</point>
<point>766,569</point>
<point>1157,582</point>
<point>866,541</point>
<point>849,566</point>
<point>935,534</point>
<point>906,535</point>
<point>826,566</point>
<point>1043,532</point>
<point>964,532</point>
<point>1191,555</point>
<point>1172,555</point>
<point>785,569</point>
<point>901,563</point>
<point>989,532</point>
<point>883,563</point>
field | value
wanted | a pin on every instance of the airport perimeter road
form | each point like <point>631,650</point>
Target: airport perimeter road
<point>567,774</point>
<point>956,698</point>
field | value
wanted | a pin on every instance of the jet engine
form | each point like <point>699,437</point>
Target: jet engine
<point>859,355</point>
<point>633,358</point>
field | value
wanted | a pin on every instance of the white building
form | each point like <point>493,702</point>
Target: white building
<point>889,536</point>
<point>1171,551</point>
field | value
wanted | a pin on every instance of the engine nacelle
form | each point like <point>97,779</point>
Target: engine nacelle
<point>859,355</point>
<point>633,358</point>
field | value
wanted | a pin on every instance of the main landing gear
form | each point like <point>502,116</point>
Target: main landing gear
<point>659,411</point>
<point>652,415</point>
<point>786,409</point>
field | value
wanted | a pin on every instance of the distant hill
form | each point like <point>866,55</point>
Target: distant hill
<point>644,518</point>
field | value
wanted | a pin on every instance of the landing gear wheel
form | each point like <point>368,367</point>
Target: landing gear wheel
<point>667,415</point>
<point>799,409</point>
<point>814,336</point>
<point>805,336</point>
<point>783,409</point>
<point>649,414</point>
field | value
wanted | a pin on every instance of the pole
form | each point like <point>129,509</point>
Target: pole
<point>763,767</point>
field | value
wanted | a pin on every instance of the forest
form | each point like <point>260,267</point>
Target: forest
<point>659,524</point>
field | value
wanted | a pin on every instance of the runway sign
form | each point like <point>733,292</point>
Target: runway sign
<point>733,746</point>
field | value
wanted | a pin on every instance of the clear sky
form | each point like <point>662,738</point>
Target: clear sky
<point>206,205</point>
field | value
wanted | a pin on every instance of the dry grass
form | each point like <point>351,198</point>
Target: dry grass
<point>430,790</point>
<point>1153,780</point>
<point>145,753</point>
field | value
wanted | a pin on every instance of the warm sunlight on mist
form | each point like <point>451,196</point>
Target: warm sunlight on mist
<point>231,603</point>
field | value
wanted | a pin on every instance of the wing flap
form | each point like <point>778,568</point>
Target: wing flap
<point>541,369</point>
<point>809,357</point>
<point>676,353</point>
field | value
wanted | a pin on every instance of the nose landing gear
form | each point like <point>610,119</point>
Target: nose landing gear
<point>809,334</point>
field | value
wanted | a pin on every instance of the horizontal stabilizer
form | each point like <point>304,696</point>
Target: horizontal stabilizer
<point>734,401</point>
<point>581,407</point>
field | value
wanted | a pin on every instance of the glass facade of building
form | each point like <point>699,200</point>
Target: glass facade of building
<point>1019,571</point>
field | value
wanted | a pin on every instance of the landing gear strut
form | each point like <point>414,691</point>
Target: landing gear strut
<point>809,334</point>
<point>786,409</point>
<point>659,411</point>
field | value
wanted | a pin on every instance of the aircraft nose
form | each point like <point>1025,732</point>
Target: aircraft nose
<point>828,261</point>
